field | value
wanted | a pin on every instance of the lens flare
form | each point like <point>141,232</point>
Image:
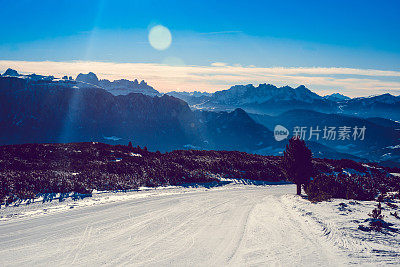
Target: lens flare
<point>160,37</point>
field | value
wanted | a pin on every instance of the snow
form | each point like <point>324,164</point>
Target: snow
<point>240,223</point>
<point>112,138</point>
<point>339,219</point>
<point>386,155</point>
<point>190,146</point>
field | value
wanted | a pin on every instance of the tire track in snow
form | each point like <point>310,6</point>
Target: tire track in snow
<point>160,235</point>
<point>79,246</point>
<point>274,234</point>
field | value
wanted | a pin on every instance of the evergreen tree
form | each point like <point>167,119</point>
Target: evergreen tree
<point>130,145</point>
<point>297,162</point>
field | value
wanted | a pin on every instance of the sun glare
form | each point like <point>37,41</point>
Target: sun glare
<point>160,37</point>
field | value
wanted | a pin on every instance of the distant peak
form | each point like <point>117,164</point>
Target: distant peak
<point>11,72</point>
<point>302,87</point>
<point>239,112</point>
<point>88,78</point>
<point>388,94</point>
<point>266,85</point>
<point>336,97</point>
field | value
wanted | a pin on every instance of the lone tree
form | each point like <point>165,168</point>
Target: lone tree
<point>297,162</point>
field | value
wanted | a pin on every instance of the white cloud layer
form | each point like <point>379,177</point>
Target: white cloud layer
<point>220,76</point>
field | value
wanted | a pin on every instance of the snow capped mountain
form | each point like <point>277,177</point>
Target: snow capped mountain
<point>384,106</point>
<point>50,104</point>
<point>192,98</point>
<point>251,97</point>
<point>273,100</point>
<point>385,98</point>
<point>124,87</point>
<point>118,87</point>
<point>337,97</point>
<point>249,94</point>
<point>66,111</point>
<point>190,94</point>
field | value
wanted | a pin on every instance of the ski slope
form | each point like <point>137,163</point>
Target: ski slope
<point>229,225</point>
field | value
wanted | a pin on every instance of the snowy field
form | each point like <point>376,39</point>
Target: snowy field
<point>234,224</point>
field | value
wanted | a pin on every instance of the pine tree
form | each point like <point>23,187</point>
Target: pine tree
<point>130,146</point>
<point>297,162</point>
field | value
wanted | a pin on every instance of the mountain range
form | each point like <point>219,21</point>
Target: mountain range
<point>290,107</point>
<point>36,108</point>
<point>272,100</point>
<point>378,144</point>
<point>116,87</point>
<point>57,111</point>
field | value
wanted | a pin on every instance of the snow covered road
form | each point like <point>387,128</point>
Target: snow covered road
<point>235,225</point>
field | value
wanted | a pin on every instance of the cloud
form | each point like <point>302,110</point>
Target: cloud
<point>220,76</point>
<point>219,64</point>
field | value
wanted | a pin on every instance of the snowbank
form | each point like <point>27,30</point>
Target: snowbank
<point>338,222</point>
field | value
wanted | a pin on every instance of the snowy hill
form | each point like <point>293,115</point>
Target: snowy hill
<point>337,97</point>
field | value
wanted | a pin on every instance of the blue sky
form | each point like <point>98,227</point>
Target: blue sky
<point>263,34</point>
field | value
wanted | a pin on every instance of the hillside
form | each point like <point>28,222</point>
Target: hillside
<point>33,170</point>
<point>58,111</point>
<point>378,144</point>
